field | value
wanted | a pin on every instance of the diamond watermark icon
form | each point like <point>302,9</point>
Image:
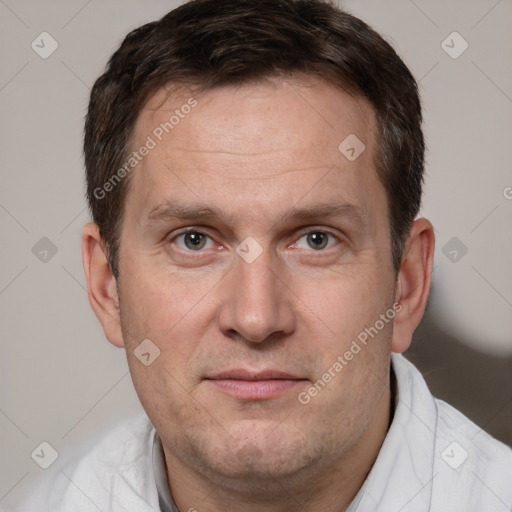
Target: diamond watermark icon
<point>44,45</point>
<point>147,352</point>
<point>351,147</point>
<point>454,455</point>
<point>44,455</point>
<point>249,249</point>
<point>454,45</point>
<point>44,250</point>
<point>454,249</point>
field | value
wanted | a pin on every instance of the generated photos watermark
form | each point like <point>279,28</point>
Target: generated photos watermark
<point>343,360</point>
<point>152,141</point>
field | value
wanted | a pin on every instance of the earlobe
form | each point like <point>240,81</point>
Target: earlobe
<point>413,284</point>
<point>101,284</point>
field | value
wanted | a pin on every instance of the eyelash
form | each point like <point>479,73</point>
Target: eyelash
<point>304,234</point>
<point>189,231</point>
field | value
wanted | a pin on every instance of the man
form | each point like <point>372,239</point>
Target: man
<point>254,172</point>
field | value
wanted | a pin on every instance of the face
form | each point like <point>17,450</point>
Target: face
<point>253,254</point>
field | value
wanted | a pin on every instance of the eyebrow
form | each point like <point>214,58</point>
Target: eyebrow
<point>174,211</point>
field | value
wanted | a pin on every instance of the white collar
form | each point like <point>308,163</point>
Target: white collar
<point>165,499</point>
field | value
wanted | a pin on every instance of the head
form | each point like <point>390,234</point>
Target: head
<point>254,170</point>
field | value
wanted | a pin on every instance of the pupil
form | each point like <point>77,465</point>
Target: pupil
<point>194,240</point>
<point>317,240</point>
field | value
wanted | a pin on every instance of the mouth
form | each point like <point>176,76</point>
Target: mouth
<point>247,385</point>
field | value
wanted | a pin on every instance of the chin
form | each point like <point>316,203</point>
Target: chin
<point>261,460</point>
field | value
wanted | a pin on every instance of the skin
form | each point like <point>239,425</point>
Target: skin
<point>253,154</point>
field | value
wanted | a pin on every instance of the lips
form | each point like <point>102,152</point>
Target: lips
<point>246,385</point>
<point>241,374</point>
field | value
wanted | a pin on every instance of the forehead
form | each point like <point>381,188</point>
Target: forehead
<point>259,110</point>
<point>282,132</point>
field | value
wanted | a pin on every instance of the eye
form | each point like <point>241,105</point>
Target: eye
<point>193,241</point>
<point>316,240</point>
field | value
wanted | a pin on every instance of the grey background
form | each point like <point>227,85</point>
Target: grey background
<point>63,383</point>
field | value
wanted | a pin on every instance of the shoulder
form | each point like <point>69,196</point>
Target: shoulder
<point>115,475</point>
<point>470,463</point>
<point>470,469</point>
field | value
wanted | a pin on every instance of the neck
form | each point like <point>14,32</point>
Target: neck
<point>330,488</point>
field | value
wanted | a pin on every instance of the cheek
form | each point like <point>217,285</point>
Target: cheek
<point>353,350</point>
<point>342,303</point>
<point>168,313</point>
<point>170,309</point>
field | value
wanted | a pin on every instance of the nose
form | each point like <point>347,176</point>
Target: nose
<point>257,305</point>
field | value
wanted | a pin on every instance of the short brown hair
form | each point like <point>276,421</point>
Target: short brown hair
<point>213,43</point>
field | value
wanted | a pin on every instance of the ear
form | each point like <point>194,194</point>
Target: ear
<point>101,284</point>
<point>413,285</point>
